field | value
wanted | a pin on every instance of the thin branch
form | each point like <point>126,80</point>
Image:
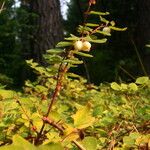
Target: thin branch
<point>60,75</point>
<point>78,145</point>
<point>125,71</point>
<point>58,87</point>
<point>2,7</point>
<point>61,129</point>
<point>139,57</point>
<point>87,71</point>
<point>54,124</point>
<point>27,116</point>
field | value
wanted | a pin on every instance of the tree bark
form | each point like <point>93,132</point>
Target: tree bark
<point>143,30</point>
<point>49,26</point>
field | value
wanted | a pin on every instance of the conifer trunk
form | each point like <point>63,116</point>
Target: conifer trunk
<point>49,26</point>
<point>143,31</point>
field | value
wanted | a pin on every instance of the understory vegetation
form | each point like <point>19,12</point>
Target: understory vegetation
<point>62,111</point>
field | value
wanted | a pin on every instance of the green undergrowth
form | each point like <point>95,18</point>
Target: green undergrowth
<point>97,117</point>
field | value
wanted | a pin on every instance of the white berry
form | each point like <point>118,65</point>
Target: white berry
<point>78,45</point>
<point>86,46</point>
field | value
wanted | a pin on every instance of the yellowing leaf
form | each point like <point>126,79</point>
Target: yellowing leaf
<point>117,29</point>
<point>142,80</point>
<point>124,86</point>
<point>99,13</point>
<point>115,86</point>
<point>52,136</point>
<point>133,87</point>
<point>24,144</point>
<point>6,94</point>
<point>83,117</point>
<point>71,137</point>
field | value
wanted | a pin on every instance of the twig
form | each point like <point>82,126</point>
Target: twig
<point>61,129</point>
<point>87,71</point>
<point>58,87</point>
<point>54,124</point>
<point>78,145</point>
<point>125,71</point>
<point>25,113</point>
<point>85,17</point>
<point>60,75</point>
<point>135,128</point>
<point>139,57</point>
<point>2,7</point>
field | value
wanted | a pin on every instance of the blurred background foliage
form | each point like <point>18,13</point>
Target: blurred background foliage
<point>122,58</point>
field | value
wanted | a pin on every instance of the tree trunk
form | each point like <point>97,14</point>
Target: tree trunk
<point>49,26</point>
<point>143,31</point>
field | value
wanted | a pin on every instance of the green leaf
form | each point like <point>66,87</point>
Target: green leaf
<point>99,41</point>
<point>135,135</point>
<point>73,61</point>
<point>92,24</point>
<point>88,38</point>
<point>4,94</point>
<point>11,147</point>
<point>41,88</point>
<point>73,75</point>
<point>104,33</point>
<point>90,143</point>
<point>133,87</point>
<point>83,117</point>
<point>99,13</point>
<point>19,141</point>
<point>72,38</point>
<point>51,146</point>
<point>102,132</point>
<point>128,141</point>
<point>142,80</point>
<point>124,86</point>
<point>97,111</point>
<point>64,44</point>
<point>117,29</point>
<point>115,86</point>
<point>83,54</point>
<point>84,28</point>
<point>54,115</point>
<point>104,20</point>
<point>55,51</point>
